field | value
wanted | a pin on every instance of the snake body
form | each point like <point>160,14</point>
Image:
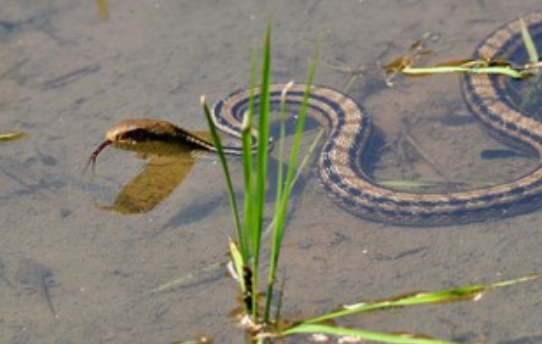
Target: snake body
<point>349,129</point>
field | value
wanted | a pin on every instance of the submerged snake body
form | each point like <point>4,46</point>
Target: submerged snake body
<point>349,129</point>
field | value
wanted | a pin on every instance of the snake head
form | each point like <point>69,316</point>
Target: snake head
<point>149,136</point>
<point>130,132</point>
<point>137,130</point>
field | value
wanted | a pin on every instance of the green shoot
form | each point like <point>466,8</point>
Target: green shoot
<point>528,41</point>
<point>224,163</point>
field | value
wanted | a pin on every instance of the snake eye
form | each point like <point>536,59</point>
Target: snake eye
<point>137,135</point>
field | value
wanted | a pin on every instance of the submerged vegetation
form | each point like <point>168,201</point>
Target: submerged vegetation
<point>405,64</point>
<point>11,136</point>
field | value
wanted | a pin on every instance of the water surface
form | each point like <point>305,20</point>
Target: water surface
<point>67,75</point>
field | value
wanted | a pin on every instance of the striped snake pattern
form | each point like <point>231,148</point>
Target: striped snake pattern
<point>349,128</point>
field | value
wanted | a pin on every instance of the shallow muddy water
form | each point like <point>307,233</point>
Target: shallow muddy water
<point>66,75</point>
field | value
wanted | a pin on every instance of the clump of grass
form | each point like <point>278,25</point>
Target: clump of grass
<point>245,249</point>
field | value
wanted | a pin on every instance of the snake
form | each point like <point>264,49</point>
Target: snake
<point>342,161</point>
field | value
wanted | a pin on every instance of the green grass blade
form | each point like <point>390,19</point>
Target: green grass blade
<point>261,165</point>
<point>280,189</point>
<point>528,41</point>
<point>248,166</point>
<point>299,171</point>
<point>282,203</point>
<point>282,138</point>
<point>298,135</point>
<point>263,141</point>
<point>224,163</point>
<point>12,136</point>
<point>188,279</point>
<point>463,70</point>
<point>465,293</point>
<point>363,334</point>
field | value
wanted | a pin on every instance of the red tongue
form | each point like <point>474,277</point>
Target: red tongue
<point>92,159</point>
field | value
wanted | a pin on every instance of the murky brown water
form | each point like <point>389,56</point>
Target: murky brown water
<point>66,75</point>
